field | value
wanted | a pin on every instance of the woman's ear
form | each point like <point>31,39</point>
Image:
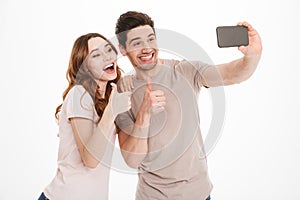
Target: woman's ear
<point>122,50</point>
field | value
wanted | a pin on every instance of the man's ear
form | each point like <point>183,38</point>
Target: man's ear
<point>122,50</point>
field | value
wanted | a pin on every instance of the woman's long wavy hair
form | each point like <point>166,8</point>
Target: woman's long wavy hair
<point>77,75</point>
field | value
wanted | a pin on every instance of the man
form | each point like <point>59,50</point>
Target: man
<point>160,135</point>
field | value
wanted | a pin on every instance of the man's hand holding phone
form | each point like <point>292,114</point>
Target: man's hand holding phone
<point>243,36</point>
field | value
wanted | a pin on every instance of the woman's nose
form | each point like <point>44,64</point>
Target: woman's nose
<point>106,57</point>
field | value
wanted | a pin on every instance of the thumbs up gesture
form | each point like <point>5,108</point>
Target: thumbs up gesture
<point>119,102</point>
<point>154,100</point>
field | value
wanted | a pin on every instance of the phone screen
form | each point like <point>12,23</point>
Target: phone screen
<point>232,36</point>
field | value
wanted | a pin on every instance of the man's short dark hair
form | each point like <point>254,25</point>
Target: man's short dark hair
<point>128,21</point>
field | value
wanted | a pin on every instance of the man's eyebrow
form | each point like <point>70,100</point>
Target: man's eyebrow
<point>151,34</point>
<point>137,38</point>
<point>133,39</point>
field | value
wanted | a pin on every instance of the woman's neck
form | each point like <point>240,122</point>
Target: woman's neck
<point>102,87</point>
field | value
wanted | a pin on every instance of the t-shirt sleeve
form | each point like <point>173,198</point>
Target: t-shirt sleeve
<point>79,103</point>
<point>125,122</point>
<point>192,71</point>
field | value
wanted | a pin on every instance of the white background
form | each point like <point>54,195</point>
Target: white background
<point>257,155</point>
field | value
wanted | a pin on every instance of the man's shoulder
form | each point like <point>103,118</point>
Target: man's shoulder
<point>170,62</point>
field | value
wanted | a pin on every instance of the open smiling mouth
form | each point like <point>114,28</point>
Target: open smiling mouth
<point>109,68</point>
<point>147,57</point>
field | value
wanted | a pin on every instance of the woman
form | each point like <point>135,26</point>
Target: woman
<point>86,121</point>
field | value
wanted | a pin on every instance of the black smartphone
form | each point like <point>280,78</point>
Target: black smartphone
<point>232,36</point>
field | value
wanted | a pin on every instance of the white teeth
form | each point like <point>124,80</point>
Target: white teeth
<point>146,57</point>
<point>108,66</point>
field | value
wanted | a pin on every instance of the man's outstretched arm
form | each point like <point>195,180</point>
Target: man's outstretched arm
<point>238,70</point>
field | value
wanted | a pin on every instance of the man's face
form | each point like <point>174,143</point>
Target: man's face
<point>141,47</point>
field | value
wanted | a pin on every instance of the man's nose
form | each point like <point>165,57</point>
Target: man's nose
<point>146,48</point>
<point>146,45</point>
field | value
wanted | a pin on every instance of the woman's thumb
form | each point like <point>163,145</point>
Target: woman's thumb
<point>114,86</point>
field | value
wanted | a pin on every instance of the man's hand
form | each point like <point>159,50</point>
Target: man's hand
<point>154,101</point>
<point>255,45</point>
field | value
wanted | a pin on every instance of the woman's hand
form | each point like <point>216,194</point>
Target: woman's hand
<point>119,102</point>
<point>126,83</point>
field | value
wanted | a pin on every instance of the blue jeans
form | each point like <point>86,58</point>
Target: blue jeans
<point>43,197</point>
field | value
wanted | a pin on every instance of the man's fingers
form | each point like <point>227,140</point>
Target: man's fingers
<point>160,99</point>
<point>157,93</point>
<point>157,97</point>
<point>160,103</point>
<point>250,28</point>
<point>157,108</point>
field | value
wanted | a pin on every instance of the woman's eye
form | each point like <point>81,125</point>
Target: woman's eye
<point>109,50</point>
<point>95,55</point>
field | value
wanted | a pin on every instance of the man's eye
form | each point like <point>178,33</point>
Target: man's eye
<point>136,44</point>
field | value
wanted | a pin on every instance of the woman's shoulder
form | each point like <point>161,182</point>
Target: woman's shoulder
<point>77,88</point>
<point>77,91</point>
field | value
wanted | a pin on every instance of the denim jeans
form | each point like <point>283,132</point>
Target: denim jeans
<point>43,197</point>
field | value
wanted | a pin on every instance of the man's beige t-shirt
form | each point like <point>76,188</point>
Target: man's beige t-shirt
<point>175,166</point>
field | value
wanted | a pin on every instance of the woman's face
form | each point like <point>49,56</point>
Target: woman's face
<point>101,61</point>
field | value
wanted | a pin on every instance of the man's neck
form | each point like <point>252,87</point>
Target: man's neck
<point>144,74</point>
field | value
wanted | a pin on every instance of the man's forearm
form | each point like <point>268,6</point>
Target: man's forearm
<point>245,67</point>
<point>134,145</point>
<point>238,70</point>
